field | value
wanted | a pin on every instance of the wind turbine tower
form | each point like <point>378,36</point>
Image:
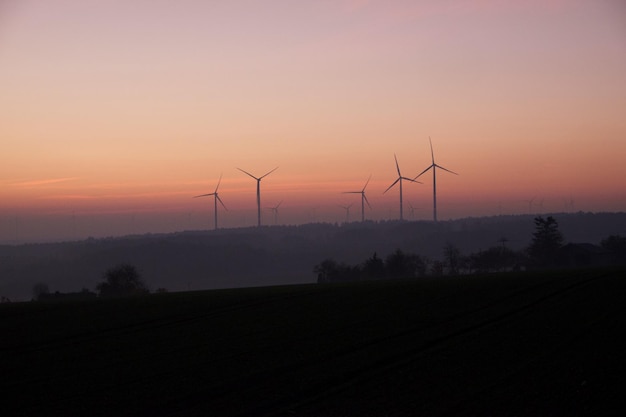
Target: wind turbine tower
<point>399,180</point>
<point>258,191</point>
<point>412,210</point>
<point>363,198</point>
<point>216,198</point>
<point>347,209</point>
<point>275,210</point>
<point>434,167</point>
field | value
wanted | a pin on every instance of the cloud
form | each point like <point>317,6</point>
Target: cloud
<point>39,183</point>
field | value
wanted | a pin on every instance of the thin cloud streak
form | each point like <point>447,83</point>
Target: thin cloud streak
<point>41,183</point>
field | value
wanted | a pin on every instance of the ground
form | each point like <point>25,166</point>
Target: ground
<point>502,345</point>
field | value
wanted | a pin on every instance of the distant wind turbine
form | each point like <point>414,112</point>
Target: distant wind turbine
<point>530,204</point>
<point>363,198</point>
<point>216,198</point>
<point>258,191</point>
<point>412,210</point>
<point>347,209</point>
<point>275,210</point>
<point>399,180</point>
<point>434,167</point>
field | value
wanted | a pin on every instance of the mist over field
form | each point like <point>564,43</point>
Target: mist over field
<point>271,255</point>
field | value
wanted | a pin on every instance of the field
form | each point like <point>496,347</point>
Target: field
<point>498,345</point>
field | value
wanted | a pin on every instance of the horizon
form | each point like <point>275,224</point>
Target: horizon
<point>151,230</point>
<point>116,114</point>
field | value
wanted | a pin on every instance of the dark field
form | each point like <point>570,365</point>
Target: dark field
<point>502,345</point>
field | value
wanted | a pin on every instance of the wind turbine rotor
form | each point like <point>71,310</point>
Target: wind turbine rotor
<point>218,183</point>
<point>367,182</point>
<point>424,171</point>
<point>247,173</point>
<point>432,154</point>
<point>445,169</point>
<point>394,183</point>
<point>397,166</point>
<point>221,202</point>
<point>366,200</point>
<point>263,176</point>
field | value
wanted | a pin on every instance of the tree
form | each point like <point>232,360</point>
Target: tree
<point>326,270</point>
<point>453,259</point>
<point>616,246</point>
<point>400,265</point>
<point>40,290</point>
<point>373,268</point>
<point>120,281</point>
<point>547,240</point>
<point>497,258</point>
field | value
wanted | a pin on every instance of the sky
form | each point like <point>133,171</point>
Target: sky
<point>115,114</point>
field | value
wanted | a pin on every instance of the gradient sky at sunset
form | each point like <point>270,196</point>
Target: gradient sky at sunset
<point>114,114</point>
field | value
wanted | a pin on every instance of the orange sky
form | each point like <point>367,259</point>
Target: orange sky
<point>114,114</point>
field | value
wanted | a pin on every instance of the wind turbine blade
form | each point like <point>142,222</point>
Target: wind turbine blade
<point>204,195</point>
<point>397,166</point>
<point>424,171</point>
<point>366,200</point>
<point>368,181</point>
<point>394,183</point>
<point>432,154</point>
<point>446,169</point>
<point>221,202</point>
<point>268,173</point>
<point>410,179</point>
<point>247,173</point>
<point>351,192</point>
<point>218,183</point>
<point>281,202</point>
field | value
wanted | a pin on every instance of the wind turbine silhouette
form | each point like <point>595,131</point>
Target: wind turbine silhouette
<point>216,198</point>
<point>434,166</point>
<point>347,209</point>
<point>399,180</point>
<point>363,198</point>
<point>530,204</point>
<point>258,191</point>
<point>275,210</point>
<point>412,210</point>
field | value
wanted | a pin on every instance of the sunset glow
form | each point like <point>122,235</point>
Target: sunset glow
<point>114,114</point>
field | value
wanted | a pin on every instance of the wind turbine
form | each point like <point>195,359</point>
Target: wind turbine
<point>258,191</point>
<point>412,210</point>
<point>399,180</point>
<point>216,198</point>
<point>363,198</point>
<point>347,209</point>
<point>530,204</point>
<point>275,210</point>
<point>434,166</point>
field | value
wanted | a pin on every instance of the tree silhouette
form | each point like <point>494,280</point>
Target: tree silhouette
<point>373,268</point>
<point>122,280</point>
<point>497,258</point>
<point>453,259</point>
<point>40,290</point>
<point>616,246</point>
<point>326,270</point>
<point>547,240</point>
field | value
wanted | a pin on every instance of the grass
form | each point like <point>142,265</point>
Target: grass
<point>511,344</point>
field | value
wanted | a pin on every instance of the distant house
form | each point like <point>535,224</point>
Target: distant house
<point>581,255</point>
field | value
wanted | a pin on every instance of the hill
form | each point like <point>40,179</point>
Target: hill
<point>514,344</point>
<point>232,258</point>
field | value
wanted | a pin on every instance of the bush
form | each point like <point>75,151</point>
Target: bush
<point>121,281</point>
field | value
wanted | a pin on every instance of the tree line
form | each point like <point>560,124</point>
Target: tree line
<point>546,250</point>
<point>122,280</point>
